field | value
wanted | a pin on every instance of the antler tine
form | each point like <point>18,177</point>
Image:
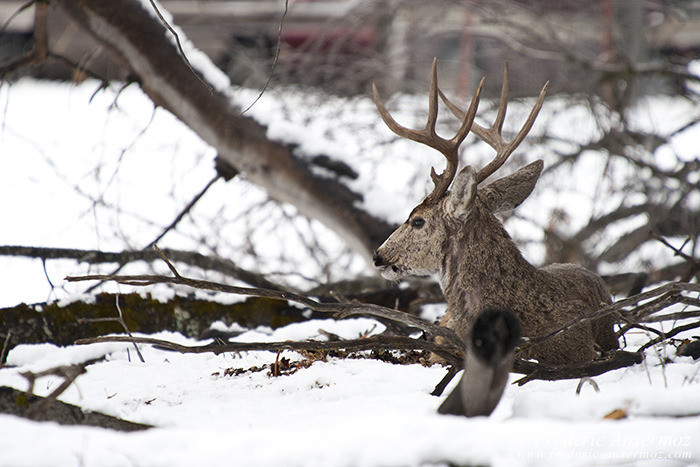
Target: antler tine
<point>468,119</point>
<point>503,154</point>
<point>432,99</point>
<point>425,136</point>
<point>399,130</point>
<point>442,181</point>
<point>492,136</point>
<point>502,102</point>
<point>478,130</point>
<point>428,136</point>
<point>527,126</point>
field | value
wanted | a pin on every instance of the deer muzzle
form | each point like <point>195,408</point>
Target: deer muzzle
<point>386,268</point>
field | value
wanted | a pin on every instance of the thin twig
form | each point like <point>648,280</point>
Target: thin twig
<point>48,279</point>
<point>179,45</point>
<point>69,373</point>
<point>184,211</point>
<point>671,316</point>
<point>276,367</point>
<point>170,226</point>
<point>676,251</point>
<point>623,330</point>
<point>126,328</point>
<point>5,348</point>
<point>167,261</point>
<point>16,13</point>
<point>589,380</point>
<point>669,334</point>
<point>274,61</point>
<point>653,306</point>
<point>120,320</point>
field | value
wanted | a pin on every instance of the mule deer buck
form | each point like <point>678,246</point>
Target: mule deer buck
<point>453,233</point>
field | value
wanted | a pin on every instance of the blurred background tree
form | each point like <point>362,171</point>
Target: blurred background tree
<point>605,56</point>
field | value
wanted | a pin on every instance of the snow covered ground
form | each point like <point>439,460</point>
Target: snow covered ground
<point>344,413</point>
<point>106,171</point>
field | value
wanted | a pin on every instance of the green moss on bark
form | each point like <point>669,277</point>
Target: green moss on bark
<point>62,325</point>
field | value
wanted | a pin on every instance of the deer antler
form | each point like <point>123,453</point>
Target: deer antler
<point>492,136</point>
<point>428,136</point>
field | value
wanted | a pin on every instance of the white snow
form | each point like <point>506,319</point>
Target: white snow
<point>343,412</point>
<point>197,59</point>
<point>110,173</point>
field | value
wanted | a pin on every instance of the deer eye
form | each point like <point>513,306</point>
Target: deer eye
<point>418,222</point>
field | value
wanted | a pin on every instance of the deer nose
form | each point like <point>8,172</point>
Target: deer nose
<point>377,260</point>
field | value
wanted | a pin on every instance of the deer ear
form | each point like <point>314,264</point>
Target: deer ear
<point>462,193</point>
<point>507,193</point>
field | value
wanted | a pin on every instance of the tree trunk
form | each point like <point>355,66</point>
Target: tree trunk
<point>143,45</point>
<point>62,325</point>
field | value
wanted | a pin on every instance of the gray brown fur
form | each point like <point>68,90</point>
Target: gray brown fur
<point>479,267</point>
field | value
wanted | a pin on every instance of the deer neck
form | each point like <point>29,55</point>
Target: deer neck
<point>482,267</point>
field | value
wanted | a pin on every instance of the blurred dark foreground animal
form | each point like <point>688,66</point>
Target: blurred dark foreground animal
<point>487,364</point>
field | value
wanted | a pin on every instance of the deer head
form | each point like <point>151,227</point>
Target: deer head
<point>417,247</point>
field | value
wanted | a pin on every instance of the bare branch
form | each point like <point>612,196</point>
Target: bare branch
<point>167,261</point>
<point>184,211</point>
<point>60,412</point>
<point>173,224</point>
<point>41,46</point>
<point>664,296</point>
<point>617,359</point>
<point>589,380</point>
<point>69,373</point>
<point>692,262</point>
<point>669,334</point>
<point>451,373</point>
<point>341,310</point>
<point>356,345</point>
<point>212,263</point>
<point>532,370</point>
